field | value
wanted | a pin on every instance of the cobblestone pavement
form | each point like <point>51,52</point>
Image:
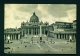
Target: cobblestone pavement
<point>58,46</point>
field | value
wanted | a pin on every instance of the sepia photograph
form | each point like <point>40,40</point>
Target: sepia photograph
<point>40,28</point>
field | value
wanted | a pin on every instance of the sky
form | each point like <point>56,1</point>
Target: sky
<point>14,14</point>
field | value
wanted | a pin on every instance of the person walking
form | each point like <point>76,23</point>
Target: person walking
<point>51,40</point>
<point>40,40</point>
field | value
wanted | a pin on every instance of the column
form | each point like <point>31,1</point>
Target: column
<point>4,36</point>
<point>55,36</point>
<point>66,37</point>
<point>28,31</point>
<point>58,36</point>
<point>40,31</point>
<point>11,36</point>
<point>61,36</point>
<point>44,30</point>
<point>25,31</point>
<point>18,36</point>
<point>15,36</point>
<point>74,36</point>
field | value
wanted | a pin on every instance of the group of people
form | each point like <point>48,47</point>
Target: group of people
<point>41,40</point>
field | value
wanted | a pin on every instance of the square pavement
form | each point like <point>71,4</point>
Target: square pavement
<point>61,46</point>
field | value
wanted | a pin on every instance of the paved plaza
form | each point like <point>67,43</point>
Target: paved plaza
<point>25,46</point>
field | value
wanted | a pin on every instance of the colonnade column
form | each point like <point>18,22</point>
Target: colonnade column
<point>61,36</point>
<point>25,31</point>
<point>28,31</point>
<point>74,36</point>
<point>18,36</point>
<point>4,36</point>
<point>55,35</point>
<point>58,36</point>
<point>66,37</point>
<point>15,36</point>
<point>11,36</point>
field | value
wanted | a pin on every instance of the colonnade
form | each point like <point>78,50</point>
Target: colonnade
<point>65,36</point>
<point>12,36</point>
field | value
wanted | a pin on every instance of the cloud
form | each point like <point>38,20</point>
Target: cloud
<point>29,8</point>
<point>59,10</point>
<point>17,13</point>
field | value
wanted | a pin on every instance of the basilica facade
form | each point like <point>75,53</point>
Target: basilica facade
<point>33,26</point>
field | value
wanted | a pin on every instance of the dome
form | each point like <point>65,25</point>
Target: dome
<point>34,18</point>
